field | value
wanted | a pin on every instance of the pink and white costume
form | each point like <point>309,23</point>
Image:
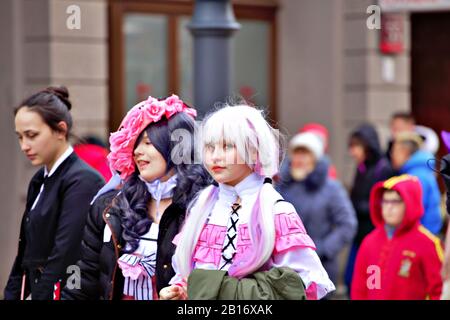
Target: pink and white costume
<point>138,268</point>
<point>293,246</point>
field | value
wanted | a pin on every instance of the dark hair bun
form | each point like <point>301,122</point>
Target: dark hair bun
<point>62,93</point>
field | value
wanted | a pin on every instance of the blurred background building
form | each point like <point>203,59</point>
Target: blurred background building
<point>304,60</point>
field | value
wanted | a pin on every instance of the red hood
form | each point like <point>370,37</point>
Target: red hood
<point>410,191</point>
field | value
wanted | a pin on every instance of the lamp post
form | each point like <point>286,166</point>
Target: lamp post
<point>212,26</point>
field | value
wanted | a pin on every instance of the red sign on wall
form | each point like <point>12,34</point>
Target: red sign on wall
<point>392,33</point>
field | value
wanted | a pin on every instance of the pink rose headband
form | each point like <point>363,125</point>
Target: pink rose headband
<point>137,119</point>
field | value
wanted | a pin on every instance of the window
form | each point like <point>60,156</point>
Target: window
<point>151,54</point>
<point>145,57</point>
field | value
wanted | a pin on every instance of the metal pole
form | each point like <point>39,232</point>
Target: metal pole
<point>212,26</point>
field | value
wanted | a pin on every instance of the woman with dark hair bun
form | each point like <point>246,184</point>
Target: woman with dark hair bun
<point>127,247</point>
<point>57,200</point>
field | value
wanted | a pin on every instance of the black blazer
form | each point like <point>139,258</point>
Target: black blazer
<point>50,234</point>
<point>101,278</point>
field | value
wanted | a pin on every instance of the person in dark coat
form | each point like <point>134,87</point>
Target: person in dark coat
<point>127,245</point>
<point>372,166</point>
<point>321,201</point>
<point>57,200</point>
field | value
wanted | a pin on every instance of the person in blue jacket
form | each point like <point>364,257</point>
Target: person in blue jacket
<point>322,203</point>
<point>407,158</point>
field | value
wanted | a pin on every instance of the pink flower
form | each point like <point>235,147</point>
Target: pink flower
<point>174,104</point>
<point>132,114</point>
<point>154,111</point>
<point>170,111</point>
<point>191,112</point>
<point>150,100</point>
<point>119,139</point>
<point>121,157</point>
<point>121,162</point>
<point>135,127</point>
<point>172,99</point>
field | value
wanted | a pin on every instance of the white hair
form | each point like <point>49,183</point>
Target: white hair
<point>258,144</point>
<point>245,127</point>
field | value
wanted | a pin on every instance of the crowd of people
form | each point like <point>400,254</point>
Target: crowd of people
<point>143,220</point>
<point>400,235</point>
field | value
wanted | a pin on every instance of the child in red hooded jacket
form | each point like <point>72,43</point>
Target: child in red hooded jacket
<point>400,259</point>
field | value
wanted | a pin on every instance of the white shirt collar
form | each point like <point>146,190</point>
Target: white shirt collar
<point>250,185</point>
<point>58,162</point>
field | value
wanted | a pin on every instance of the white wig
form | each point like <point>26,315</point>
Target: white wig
<point>245,127</point>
